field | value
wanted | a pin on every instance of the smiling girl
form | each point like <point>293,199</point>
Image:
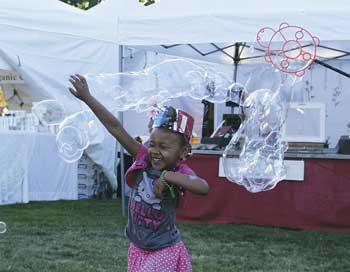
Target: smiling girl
<point>158,178</point>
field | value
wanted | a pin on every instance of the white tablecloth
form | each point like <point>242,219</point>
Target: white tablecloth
<point>30,169</point>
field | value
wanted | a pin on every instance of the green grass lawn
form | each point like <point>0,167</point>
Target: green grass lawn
<point>88,236</point>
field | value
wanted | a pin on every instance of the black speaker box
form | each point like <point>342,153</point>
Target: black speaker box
<point>344,144</point>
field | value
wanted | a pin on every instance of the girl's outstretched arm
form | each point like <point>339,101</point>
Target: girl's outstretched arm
<point>112,124</point>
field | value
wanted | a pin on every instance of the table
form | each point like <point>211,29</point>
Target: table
<point>31,170</point>
<point>321,201</point>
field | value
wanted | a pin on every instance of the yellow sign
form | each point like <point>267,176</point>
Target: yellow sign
<point>3,102</point>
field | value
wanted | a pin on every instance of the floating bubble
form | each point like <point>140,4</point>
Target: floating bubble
<point>112,90</point>
<point>76,133</point>
<point>169,79</point>
<point>266,77</point>
<point>79,121</point>
<point>71,143</point>
<point>236,92</point>
<point>257,146</point>
<point>3,227</point>
<point>94,131</point>
<point>217,87</point>
<point>197,84</point>
<point>257,143</point>
<point>49,112</point>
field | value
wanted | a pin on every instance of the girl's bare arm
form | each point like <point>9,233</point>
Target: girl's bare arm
<point>190,183</point>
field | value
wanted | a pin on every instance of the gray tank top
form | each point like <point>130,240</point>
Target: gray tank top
<point>151,222</point>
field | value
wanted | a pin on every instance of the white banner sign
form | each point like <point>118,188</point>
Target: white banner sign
<point>294,168</point>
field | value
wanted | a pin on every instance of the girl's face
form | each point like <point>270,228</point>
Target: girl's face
<point>165,149</point>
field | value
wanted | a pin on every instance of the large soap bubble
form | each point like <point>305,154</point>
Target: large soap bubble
<point>254,156</point>
<point>236,92</point>
<point>141,91</point>
<point>71,143</point>
<point>257,144</point>
<point>264,77</point>
<point>161,82</point>
<point>3,227</point>
<point>49,112</point>
<point>76,133</point>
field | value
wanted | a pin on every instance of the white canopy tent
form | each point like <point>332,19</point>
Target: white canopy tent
<point>47,42</point>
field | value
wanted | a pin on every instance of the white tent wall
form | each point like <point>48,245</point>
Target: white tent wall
<point>48,41</point>
<point>323,85</point>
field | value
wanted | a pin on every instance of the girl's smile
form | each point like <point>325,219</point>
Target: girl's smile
<point>164,149</point>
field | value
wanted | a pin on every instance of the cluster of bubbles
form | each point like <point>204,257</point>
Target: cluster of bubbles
<point>3,227</point>
<point>49,112</point>
<point>139,91</point>
<point>75,132</point>
<point>257,145</point>
<point>159,83</point>
<point>254,156</point>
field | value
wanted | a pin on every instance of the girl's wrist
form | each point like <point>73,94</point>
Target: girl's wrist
<point>87,98</point>
<point>162,177</point>
<point>167,184</point>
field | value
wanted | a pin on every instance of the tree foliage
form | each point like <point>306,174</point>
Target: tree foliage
<point>83,4</point>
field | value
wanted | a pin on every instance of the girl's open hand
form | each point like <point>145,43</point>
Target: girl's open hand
<point>81,88</point>
<point>158,188</point>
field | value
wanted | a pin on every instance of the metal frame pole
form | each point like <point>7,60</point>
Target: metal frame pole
<point>121,149</point>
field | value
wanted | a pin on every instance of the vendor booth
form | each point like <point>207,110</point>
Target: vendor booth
<point>314,195</point>
<point>135,37</point>
<point>314,199</point>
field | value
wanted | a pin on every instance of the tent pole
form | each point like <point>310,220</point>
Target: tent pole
<point>236,59</point>
<point>121,149</point>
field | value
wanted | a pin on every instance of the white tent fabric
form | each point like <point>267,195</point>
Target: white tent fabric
<point>48,41</point>
<point>202,21</point>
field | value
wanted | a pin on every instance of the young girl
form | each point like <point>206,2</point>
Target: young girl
<point>158,179</point>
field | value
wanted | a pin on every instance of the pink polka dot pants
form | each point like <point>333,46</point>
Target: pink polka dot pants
<point>174,258</point>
